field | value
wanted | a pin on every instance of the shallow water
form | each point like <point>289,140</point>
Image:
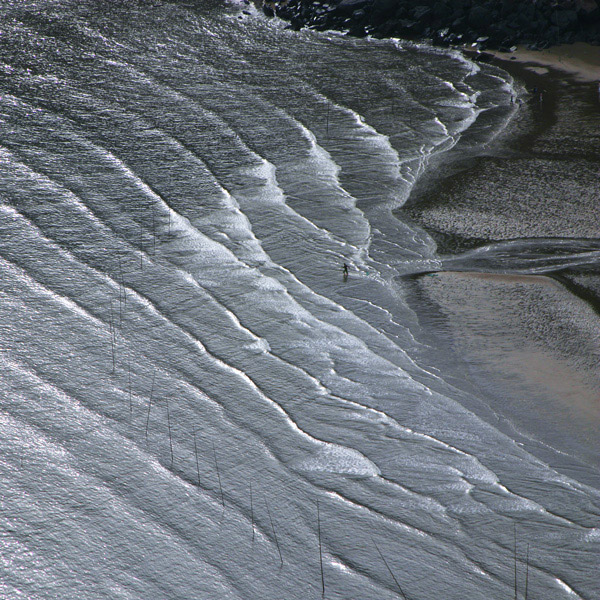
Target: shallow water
<point>194,401</point>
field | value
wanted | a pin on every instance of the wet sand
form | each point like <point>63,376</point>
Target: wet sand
<point>540,180</point>
<point>580,62</point>
<point>531,349</point>
<point>529,344</point>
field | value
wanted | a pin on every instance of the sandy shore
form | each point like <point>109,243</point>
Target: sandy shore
<point>547,162</point>
<point>539,374</point>
<point>530,344</point>
<point>579,61</point>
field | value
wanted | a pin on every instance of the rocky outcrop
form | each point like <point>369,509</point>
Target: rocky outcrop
<point>492,23</point>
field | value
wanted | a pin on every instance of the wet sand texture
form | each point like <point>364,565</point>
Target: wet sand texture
<point>529,342</point>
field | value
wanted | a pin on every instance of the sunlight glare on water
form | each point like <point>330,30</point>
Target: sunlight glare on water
<point>195,402</point>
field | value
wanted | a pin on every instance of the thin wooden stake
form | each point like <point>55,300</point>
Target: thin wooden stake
<point>114,322</point>
<point>170,437</point>
<point>252,512</point>
<point>153,234</point>
<point>219,476</point>
<point>389,570</point>
<point>123,282</point>
<point>274,533</point>
<point>112,337</point>
<point>150,404</point>
<point>320,551</point>
<point>122,294</point>
<point>120,310</point>
<point>515,531</point>
<point>526,571</point>
<point>197,462</point>
<point>196,453</point>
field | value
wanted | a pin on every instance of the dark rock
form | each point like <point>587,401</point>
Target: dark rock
<point>385,7</point>
<point>402,12</point>
<point>284,12</point>
<point>357,30</point>
<point>507,6</point>
<point>479,17</point>
<point>588,6</point>
<point>459,24</point>
<point>567,38</point>
<point>521,21</point>
<point>442,11</point>
<point>542,23</point>
<point>297,24</point>
<point>268,10</point>
<point>349,6</point>
<point>503,22</point>
<point>406,25</point>
<point>421,13</point>
<point>564,19</point>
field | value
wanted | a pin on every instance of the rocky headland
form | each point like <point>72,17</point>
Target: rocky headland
<point>499,24</point>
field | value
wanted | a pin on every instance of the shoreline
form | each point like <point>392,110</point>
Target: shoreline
<point>539,389</point>
<point>563,85</point>
<point>559,78</point>
<point>491,318</point>
<point>579,61</point>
